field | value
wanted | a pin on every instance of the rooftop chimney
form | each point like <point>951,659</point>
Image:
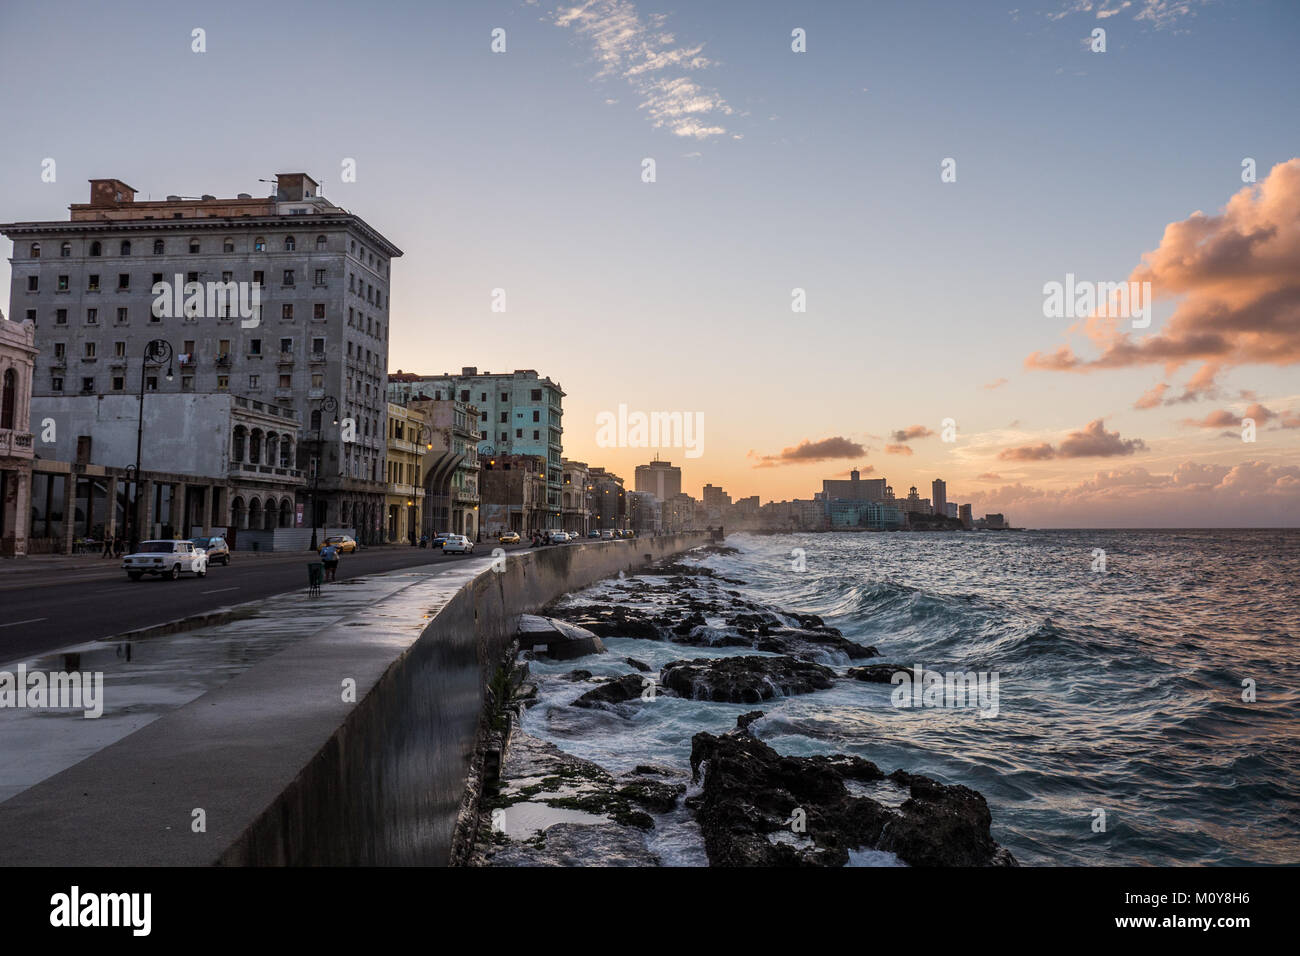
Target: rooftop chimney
<point>110,192</point>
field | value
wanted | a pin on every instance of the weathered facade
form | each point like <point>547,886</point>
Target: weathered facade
<point>514,494</point>
<point>519,413</point>
<point>283,300</point>
<point>408,442</point>
<point>575,506</point>
<point>17,360</point>
<point>451,467</point>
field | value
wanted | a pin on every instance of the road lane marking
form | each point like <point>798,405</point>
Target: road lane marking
<point>219,590</point>
<point>30,620</point>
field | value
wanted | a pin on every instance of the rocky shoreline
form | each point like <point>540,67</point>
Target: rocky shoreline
<point>746,804</point>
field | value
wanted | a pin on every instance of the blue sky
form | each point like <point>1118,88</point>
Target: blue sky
<point>522,171</point>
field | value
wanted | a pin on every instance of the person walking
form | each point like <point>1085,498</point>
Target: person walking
<point>108,547</point>
<point>329,556</point>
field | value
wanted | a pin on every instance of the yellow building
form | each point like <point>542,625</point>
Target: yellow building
<point>408,442</point>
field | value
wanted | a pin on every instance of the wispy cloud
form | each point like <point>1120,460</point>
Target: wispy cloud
<point>1159,13</point>
<point>641,51</point>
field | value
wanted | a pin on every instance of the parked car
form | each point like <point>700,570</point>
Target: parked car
<point>169,559</point>
<point>457,544</point>
<point>342,542</point>
<point>557,537</point>
<point>607,535</point>
<point>215,548</point>
<point>509,537</point>
<point>593,534</point>
<point>440,538</point>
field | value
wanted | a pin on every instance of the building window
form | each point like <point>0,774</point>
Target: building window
<point>254,346</point>
<point>289,244</point>
<point>223,383</point>
<point>88,384</point>
<point>318,310</point>
<point>317,380</point>
<point>119,349</point>
<point>286,311</point>
<point>537,416</point>
<point>122,316</point>
<point>288,277</point>
<point>187,383</point>
<point>124,280</point>
<point>228,245</point>
<point>60,316</point>
<point>254,381</point>
<point>259,244</point>
<point>65,250</point>
<point>35,250</point>
<point>9,401</point>
<point>119,383</point>
<point>320,277</point>
<point>96,249</point>
<point>504,417</point>
<point>92,316</point>
<point>320,243</point>
<point>519,433</point>
<point>259,277</point>
<point>93,285</point>
<point>31,316</point>
<point>318,346</point>
<point>33,284</point>
<point>537,395</point>
<point>536,435</point>
<point>151,383</point>
<point>194,247</point>
<point>56,384</point>
<point>286,345</point>
<point>63,284</point>
<point>125,248</point>
<point>158,247</point>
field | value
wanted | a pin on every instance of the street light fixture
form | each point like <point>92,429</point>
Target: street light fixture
<point>327,404</point>
<point>156,351</point>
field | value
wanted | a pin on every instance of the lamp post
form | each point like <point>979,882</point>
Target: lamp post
<point>327,404</point>
<point>156,351</point>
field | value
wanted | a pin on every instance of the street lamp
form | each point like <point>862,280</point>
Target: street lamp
<point>156,351</point>
<point>327,404</point>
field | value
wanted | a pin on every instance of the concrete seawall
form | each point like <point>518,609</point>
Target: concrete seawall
<point>283,771</point>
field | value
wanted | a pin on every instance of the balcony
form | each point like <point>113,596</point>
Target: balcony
<point>286,358</point>
<point>16,444</point>
<point>223,361</point>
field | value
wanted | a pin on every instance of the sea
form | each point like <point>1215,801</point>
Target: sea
<point>1148,683</point>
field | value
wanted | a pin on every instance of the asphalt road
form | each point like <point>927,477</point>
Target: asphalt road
<point>43,613</point>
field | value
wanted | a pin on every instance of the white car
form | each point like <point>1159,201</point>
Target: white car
<point>170,559</point>
<point>607,534</point>
<point>557,537</point>
<point>457,544</point>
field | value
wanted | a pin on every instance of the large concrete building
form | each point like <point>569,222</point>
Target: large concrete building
<point>519,412</point>
<point>856,488</point>
<point>408,441</point>
<point>452,466</point>
<point>576,501</point>
<point>939,497</point>
<point>17,359</point>
<point>283,300</point>
<point>662,479</point>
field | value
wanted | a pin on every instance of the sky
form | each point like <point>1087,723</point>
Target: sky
<point>823,170</point>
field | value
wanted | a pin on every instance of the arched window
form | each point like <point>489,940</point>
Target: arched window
<point>255,447</point>
<point>289,244</point>
<point>286,453</point>
<point>237,452</point>
<point>65,250</point>
<point>125,248</point>
<point>259,244</point>
<point>9,399</point>
<point>157,247</point>
<point>286,514</point>
<point>194,246</point>
<point>255,515</point>
<point>320,243</point>
<point>228,245</point>
<point>96,249</point>
<point>36,250</point>
<point>238,514</point>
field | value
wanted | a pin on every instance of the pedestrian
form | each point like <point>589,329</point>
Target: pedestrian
<point>108,547</point>
<point>424,540</point>
<point>329,556</point>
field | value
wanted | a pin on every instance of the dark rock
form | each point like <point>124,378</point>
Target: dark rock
<point>654,795</point>
<point>749,792</point>
<point>576,676</point>
<point>809,643</point>
<point>744,720</point>
<point>616,691</point>
<point>874,673</point>
<point>745,680</point>
<point>639,665</point>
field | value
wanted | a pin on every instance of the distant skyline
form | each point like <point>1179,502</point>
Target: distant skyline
<point>775,171</point>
